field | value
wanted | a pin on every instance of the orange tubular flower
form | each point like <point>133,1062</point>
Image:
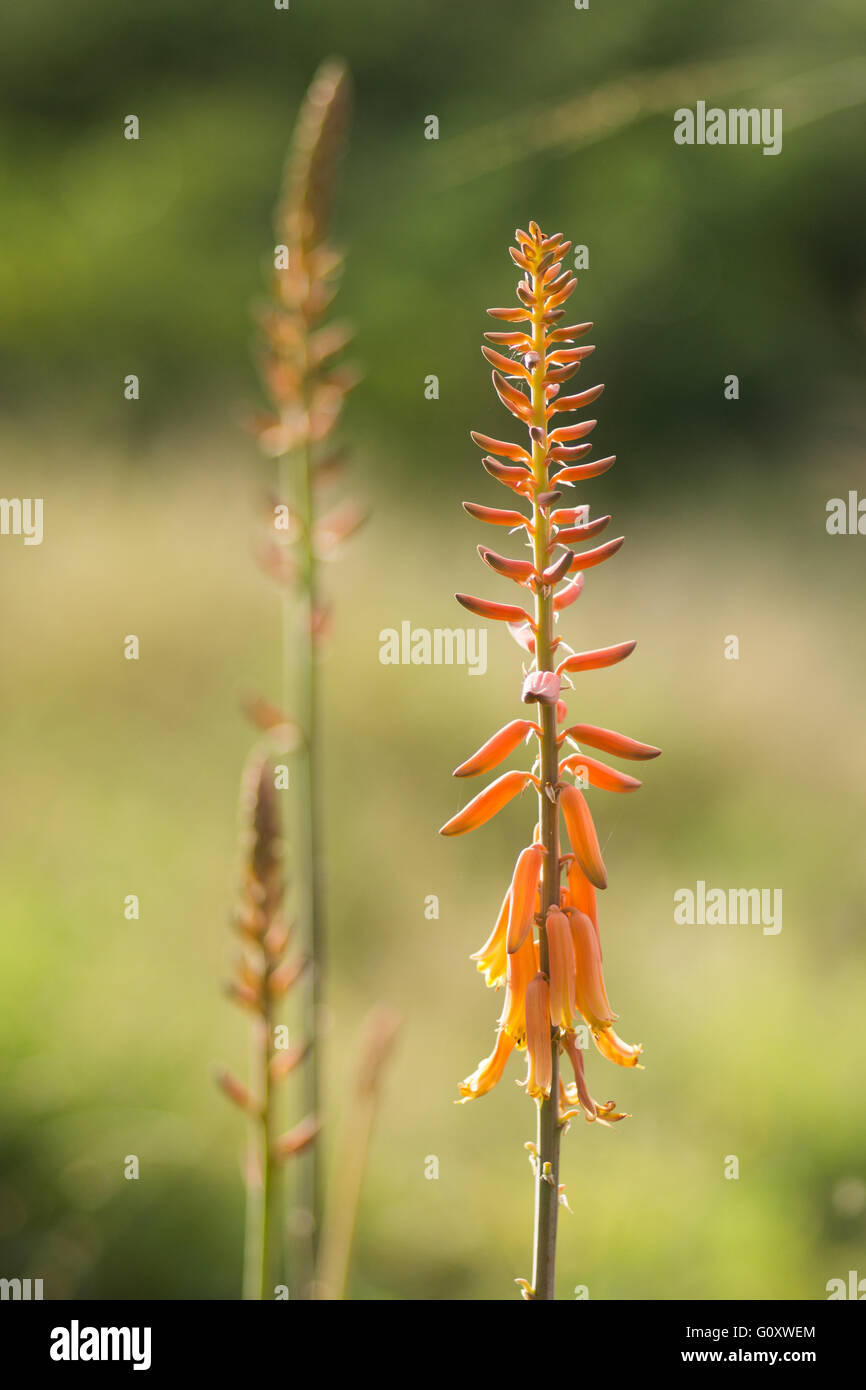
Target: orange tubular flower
<point>488,803</point>
<point>581,832</point>
<point>551,970</point>
<point>521,967</point>
<point>609,742</point>
<point>496,749</point>
<point>610,779</point>
<point>563,981</point>
<point>492,957</point>
<point>540,1075</point>
<point>488,1072</point>
<point>582,893</point>
<point>615,1050</point>
<point>591,994</point>
<point>524,886</point>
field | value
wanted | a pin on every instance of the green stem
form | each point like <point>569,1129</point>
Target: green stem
<point>254,1223</point>
<point>547,1174</point>
<point>314,883</point>
<point>271,1213</point>
<point>311,1168</point>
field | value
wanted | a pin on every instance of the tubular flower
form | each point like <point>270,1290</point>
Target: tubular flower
<point>521,967</point>
<point>496,749</point>
<point>524,887</point>
<point>488,1072</point>
<point>540,1074</point>
<point>493,956</point>
<point>563,973</point>
<point>590,991</point>
<point>488,803</point>
<point>546,941</point>
<point>581,833</point>
<point>615,1050</point>
<point>581,894</point>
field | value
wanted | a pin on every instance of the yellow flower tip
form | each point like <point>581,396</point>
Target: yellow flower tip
<point>491,958</point>
<point>527,1292</point>
<point>609,1115</point>
<point>488,1071</point>
<point>615,1050</point>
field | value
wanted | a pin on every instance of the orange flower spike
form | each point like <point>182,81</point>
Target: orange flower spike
<point>540,1075</point>
<point>524,886</point>
<point>489,1071</point>
<point>551,981</point>
<point>592,1000</point>
<point>521,967</point>
<point>562,969</point>
<point>582,834</point>
<point>488,803</point>
<point>615,1050</point>
<point>492,958</point>
<point>496,749</point>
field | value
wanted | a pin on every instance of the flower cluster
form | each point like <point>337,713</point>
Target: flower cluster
<point>303,378</point>
<point>544,948</point>
<point>265,972</point>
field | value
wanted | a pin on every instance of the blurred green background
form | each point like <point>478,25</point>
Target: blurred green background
<point>121,777</point>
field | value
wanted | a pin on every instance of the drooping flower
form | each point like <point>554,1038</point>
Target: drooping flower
<point>488,1072</point>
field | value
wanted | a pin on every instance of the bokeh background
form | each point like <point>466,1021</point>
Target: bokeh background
<point>121,777</point>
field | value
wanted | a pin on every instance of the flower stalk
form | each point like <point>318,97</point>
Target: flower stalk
<point>306,383</point>
<point>544,947</point>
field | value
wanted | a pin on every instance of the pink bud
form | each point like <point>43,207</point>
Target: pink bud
<point>541,687</point>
